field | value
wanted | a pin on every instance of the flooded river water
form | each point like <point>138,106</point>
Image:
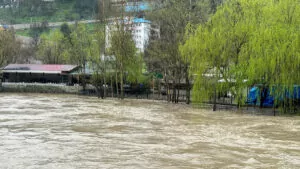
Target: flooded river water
<point>66,131</point>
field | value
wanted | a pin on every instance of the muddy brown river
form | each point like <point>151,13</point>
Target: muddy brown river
<point>66,131</point>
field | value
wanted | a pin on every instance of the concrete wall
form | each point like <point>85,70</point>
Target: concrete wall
<point>40,88</point>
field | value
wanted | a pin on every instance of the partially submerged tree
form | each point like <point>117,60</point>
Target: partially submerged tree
<point>163,55</point>
<point>98,63</point>
<point>123,48</point>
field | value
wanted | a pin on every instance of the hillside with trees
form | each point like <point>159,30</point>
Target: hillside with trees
<point>13,12</point>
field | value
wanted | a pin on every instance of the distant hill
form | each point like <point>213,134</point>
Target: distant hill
<point>26,11</point>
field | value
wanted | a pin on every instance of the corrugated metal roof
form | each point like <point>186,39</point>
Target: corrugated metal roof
<point>39,68</point>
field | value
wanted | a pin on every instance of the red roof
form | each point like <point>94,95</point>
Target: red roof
<point>39,68</point>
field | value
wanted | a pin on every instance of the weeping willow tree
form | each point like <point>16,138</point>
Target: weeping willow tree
<point>245,43</point>
<point>273,50</point>
<point>213,50</point>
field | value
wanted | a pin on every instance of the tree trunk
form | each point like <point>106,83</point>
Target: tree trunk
<point>177,91</point>
<point>188,90</point>
<point>104,86</point>
<point>177,98</point>
<point>215,99</point>
<point>174,92</point>
<point>167,86</point>
<point>83,78</point>
<point>122,85</point>
<point>159,90</point>
<point>1,79</point>
<point>98,91</point>
<point>153,88</point>
<point>112,88</point>
<point>263,96</point>
<point>168,93</point>
<point>117,85</point>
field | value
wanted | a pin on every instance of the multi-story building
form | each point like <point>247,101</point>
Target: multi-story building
<point>141,33</point>
<point>139,27</point>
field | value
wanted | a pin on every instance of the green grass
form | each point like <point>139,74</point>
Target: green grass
<point>23,32</point>
<point>6,17</point>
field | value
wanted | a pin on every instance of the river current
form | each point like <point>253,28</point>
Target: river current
<point>66,131</point>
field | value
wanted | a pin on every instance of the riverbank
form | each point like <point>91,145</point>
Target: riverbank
<point>65,89</point>
<point>51,88</point>
<point>39,88</point>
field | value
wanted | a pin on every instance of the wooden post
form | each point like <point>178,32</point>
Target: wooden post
<point>153,88</point>
<point>112,88</point>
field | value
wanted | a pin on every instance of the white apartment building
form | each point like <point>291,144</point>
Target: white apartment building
<point>140,29</point>
<point>141,33</point>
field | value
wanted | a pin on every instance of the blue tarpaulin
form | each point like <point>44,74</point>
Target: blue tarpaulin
<point>278,92</point>
<point>254,97</point>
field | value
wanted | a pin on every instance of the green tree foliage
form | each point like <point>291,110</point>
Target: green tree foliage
<point>36,29</point>
<point>25,11</point>
<point>51,49</point>
<point>86,8</point>
<point>81,48</point>
<point>254,41</point>
<point>81,44</point>
<point>163,55</point>
<point>66,30</point>
<point>75,45</point>
<point>9,47</point>
<point>36,8</point>
<point>98,62</point>
<point>107,9</point>
<point>126,57</point>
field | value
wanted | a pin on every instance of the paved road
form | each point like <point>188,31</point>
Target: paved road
<point>51,24</point>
